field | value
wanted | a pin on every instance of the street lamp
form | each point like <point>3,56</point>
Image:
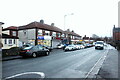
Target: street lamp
<point>65,19</point>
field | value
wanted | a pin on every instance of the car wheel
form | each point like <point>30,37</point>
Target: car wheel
<point>34,55</point>
<point>47,53</point>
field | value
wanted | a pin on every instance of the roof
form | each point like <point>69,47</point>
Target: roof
<point>11,28</point>
<point>9,36</point>
<point>1,23</point>
<point>40,26</point>
<point>71,33</point>
<point>116,29</point>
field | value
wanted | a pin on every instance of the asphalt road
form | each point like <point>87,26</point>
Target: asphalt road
<point>59,64</point>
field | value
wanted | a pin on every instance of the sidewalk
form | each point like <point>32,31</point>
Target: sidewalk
<point>11,58</point>
<point>109,69</point>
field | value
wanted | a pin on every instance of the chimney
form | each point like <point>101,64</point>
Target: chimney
<point>68,30</point>
<point>52,24</point>
<point>72,30</point>
<point>42,21</point>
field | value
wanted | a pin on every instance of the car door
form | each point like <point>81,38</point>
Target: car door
<point>41,50</point>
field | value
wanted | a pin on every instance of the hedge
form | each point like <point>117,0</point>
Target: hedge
<point>10,52</point>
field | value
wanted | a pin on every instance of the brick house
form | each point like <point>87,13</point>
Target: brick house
<point>116,36</point>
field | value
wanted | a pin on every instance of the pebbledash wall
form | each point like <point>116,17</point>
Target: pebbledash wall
<point>27,36</point>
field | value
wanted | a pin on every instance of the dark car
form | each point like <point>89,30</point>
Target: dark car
<point>34,51</point>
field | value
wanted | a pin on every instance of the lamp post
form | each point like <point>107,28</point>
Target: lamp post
<point>65,19</point>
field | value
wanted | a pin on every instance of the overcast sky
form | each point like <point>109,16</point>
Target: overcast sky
<point>89,16</point>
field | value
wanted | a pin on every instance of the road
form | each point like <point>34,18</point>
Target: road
<point>59,64</point>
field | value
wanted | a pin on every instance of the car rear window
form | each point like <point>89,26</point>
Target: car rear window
<point>28,47</point>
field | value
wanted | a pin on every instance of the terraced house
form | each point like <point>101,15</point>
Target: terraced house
<point>38,33</point>
<point>10,37</point>
<point>41,33</point>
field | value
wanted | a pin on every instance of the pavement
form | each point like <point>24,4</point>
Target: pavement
<point>109,69</point>
<point>11,58</point>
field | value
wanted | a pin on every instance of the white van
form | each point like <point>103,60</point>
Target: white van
<point>99,45</point>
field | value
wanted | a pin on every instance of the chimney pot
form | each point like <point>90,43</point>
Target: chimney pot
<point>42,21</point>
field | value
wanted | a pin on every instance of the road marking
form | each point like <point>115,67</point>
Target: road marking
<point>97,65</point>
<point>42,75</point>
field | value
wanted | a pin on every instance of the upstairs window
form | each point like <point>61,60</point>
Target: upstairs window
<point>47,32</point>
<point>14,33</point>
<point>54,34</point>
<point>40,32</point>
<point>58,34</point>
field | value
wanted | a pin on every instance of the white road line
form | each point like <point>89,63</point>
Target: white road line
<point>96,65</point>
<point>42,75</point>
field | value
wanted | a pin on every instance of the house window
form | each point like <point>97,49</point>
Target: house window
<point>10,41</point>
<point>14,33</point>
<point>63,35</point>
<point>24,31</point>
<point>14,41</point>
<point>54,34</point>
<point>40,32</point>
<point>58,34</point>
<point>47,32</point>
<point>5,41</point>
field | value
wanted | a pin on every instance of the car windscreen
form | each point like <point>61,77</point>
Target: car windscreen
<point>99,43</point>
<point>28,47</point>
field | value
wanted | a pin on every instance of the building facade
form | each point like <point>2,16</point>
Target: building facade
<point>44,34</point>
<point>10,37</point>
<point>1,45</point>
<point>116,36</point>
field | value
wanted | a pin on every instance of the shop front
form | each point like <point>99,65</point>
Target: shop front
<point>44,40</point>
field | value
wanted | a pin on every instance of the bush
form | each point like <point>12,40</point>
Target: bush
<point>10,52</point>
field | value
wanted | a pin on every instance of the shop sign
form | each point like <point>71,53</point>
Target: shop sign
<point>44,37</point>
<point>81,40</point>
<point>74,40</point>
<point>47,38</point>
<point>41,37</point>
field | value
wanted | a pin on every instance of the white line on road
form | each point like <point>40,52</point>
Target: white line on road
<point>97,65</point>
<point>41,74</point>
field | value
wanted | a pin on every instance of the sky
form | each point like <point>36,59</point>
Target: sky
<point>89,16</point>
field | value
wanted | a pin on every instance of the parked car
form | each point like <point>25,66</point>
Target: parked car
<point>70,47</point>
<point>47,47</point>
<point>60,46</point>
<point>34,51</point>
<point>26,45</point>
<point>78,47</point>
<point>81,46</point>
<point>99,45</point>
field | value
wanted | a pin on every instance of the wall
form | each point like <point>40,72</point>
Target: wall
<point>8,46</point>
<point>6,32</point>
<point>27,35</point>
